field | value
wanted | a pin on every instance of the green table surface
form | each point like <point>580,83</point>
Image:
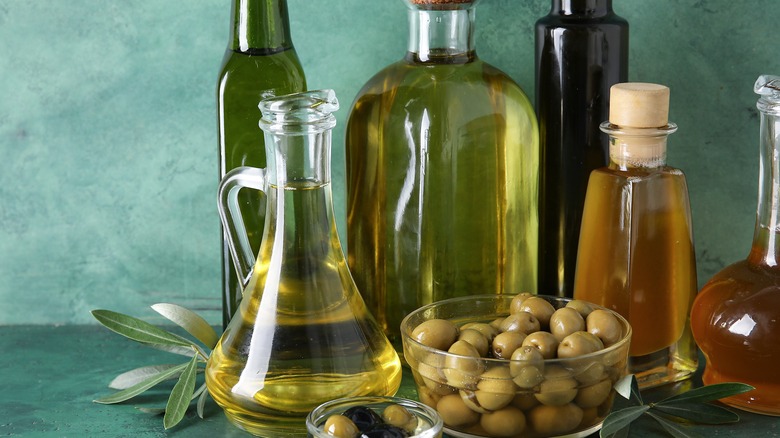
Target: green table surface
<point>51,374</point>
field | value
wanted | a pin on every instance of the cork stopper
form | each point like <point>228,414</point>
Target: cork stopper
<point>639,105</point>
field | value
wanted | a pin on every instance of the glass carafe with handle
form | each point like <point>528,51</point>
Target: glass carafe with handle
<point>302,334</point>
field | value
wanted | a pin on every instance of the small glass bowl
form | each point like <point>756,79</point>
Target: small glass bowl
<point>429,423</point>
<point>570,397</point>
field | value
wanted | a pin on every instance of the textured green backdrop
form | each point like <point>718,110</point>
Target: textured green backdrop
<point>108,159</point>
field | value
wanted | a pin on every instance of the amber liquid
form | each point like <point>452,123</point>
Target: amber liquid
<point>302,335</point>
<point>736,321</point>
<point>442,167</point>
<point>636,257</point>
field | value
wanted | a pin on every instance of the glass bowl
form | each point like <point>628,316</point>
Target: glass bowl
<point>429,423</point>
<point>487,397</point>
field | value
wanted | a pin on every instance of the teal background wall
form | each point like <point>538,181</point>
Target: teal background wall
<point>108,161</point>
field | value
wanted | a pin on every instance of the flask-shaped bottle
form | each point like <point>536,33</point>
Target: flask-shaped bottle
<point>302,334</point>
<point>260,61</point>
<point>581,51</point>
<point>636,253</point>
<point>442,169</point>
<point>736,315</point>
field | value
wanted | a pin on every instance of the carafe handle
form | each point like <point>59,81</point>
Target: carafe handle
<point>233,222</point>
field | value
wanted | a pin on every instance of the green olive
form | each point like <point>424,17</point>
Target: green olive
<point>495,389</point>
<point>506,422</point>
<point>517,301</point>
<point>540,308</point>
<point>506,343</point>
<point>496,323</point>
<point>605,326</point>
<point>558,387</point>
<point>555,420</point>
<point>583,307</point>
<point>427,396</point>
<point>523,322</point>
<point>545,342</point>
<point>462,366</point>
<point>470,400</point>
<point>454,412</point>
<point>524,401</point>
<point>593,395</point>
<point>400,417</point>
<point>564,322</point>
<point>475,338</point>
<point>527,367</point>
<point>589,371</point>
<point>431,375</point>
<point>340,426</point>
<point>436,333</point>
<point>578,344</point>
<point>487,330</point>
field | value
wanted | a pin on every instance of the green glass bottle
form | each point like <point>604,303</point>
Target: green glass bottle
<point>260,62</point>
<point>442,168</point>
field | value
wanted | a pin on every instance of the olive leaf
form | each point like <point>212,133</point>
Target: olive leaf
<point>138,388</point>
<point>181,395</point>
<point>189,321</point>
<point>137,329</point>
<point>672,413</point>
<point>138,375</point>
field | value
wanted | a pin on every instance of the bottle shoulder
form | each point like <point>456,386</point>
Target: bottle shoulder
<point>280,70</point>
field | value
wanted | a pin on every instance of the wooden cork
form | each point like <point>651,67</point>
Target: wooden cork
<point>639,105</point>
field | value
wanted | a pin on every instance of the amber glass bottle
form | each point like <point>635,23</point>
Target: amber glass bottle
<point>736,316</point>
<point>260,61</point>
<point>442,168</point>
<point>581,51</point>
<point>636,253</point>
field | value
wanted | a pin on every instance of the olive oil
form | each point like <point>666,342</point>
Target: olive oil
<point>259,62</point>
<point>442,168</point>
<point>636,253</point>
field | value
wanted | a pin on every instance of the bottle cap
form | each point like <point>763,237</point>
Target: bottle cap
<point>639,105</point>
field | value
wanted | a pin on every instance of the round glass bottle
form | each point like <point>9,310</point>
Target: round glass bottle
<point>636,254</point>
<point>736,315</point>
<point>442,168</point>
<point>302,334</point>
<point>581,51</point>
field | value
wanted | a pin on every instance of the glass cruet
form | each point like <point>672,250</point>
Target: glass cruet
<point>736,315</point>
<point>302,334</point>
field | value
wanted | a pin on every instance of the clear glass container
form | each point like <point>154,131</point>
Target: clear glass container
<point>260,62</point>
<point>636,252</point>
<point>442,173</point>
<point>302,334</point>
<point>736,315</point>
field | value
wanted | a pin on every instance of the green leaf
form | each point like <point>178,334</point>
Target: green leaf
<point>138,375</point>
<point>137,329</point>
<point>702,413</point>
<point>181,395</point>
<point>134,390</point>
<point>153,411</point>
<point>623,386</point>
<point>198,391</point>
<point>674,429</point>
<point>618,420</point>
<point>707,393</point>
<point>188,351</point>
<point>202,402</point>
<point>189,321</point>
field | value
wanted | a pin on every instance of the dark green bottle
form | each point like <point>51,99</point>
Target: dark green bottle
<point>260,61</point>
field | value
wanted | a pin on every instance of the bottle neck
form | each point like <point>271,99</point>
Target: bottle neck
<point>260,27</point>
<point>298,160</point>
<point>591,8</point>
<point>766,247</point>
<point>632,148</point>
<point>441,35</point>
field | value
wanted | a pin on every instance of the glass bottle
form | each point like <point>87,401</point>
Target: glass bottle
<point>302,334</point>
<point>442,169</point>
<point>636,251</point>
<point>581,51</point>
<point>260,61</point>
<point>736,315</point>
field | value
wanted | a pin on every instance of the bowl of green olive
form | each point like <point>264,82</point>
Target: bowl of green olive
<point>520,366</point>
<point>374,417</point>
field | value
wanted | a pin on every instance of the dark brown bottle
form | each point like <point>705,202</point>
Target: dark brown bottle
<point>581,51</point>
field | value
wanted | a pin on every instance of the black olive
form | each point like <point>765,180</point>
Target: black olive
<point>363,417</point>
<point>384,431</point>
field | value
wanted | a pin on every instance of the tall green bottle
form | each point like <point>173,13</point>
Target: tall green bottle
<point>260,61</point>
